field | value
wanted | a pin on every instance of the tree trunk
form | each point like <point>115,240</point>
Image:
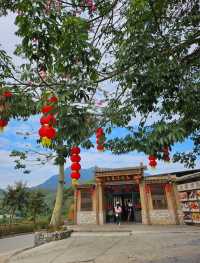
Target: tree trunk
<point>12,212</point>
<point>56,216</point>
<point>34,218</point>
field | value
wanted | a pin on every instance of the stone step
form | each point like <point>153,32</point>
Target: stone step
<point>100,233</point>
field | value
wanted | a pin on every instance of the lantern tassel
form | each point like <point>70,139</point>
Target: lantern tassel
<point>46,141</point>
<point>153,167</point>
<point>2,129</point>
<point>74,182</point>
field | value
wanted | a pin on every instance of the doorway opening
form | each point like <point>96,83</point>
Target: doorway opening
<point>127,195</point>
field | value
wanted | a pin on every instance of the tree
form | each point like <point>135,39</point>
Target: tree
<point>72,47</point>
<point>62,60</point>
<point>37,204</point>
<point>161,80</point>
<point>15,198</point>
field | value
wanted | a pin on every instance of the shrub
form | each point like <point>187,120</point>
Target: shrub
<point>21,228</point>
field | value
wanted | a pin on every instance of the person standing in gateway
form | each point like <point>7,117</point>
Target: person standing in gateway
<point>118,212</point>
<point>129,210</point>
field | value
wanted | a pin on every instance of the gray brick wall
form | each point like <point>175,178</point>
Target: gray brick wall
<point>86,217</point>
<point>160,217</point>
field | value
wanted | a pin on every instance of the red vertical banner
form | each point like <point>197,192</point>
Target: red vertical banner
<point>147,189</point>
<point>168,188</point>
<point>127,189</point>
<point>137,179</point>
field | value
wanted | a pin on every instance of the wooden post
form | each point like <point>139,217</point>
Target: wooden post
<point>144,203</point>
<point>100,206</point>
<point>75,205</point>
<point>97,202</point>
<point>178,205</point>
<point>171,203</point>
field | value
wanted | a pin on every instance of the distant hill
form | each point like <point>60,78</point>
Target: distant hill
<point>1,199</point>
<point>51,183</point>
<point>1,193</point>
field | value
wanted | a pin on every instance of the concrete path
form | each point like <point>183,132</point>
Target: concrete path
<point>142,245</point>
<point>10,245</point>
<point>17,242</point>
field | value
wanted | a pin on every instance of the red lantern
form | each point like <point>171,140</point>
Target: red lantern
<point>47,108</point>
<point>49,119</point>
<point>75,175</point>
<point>75,158</point>
<point>50,132</point>
<point>42,131</point>
<point>53,99</point>
<point>99,132</point>
<point>47,131</point>
<point>100,147</point>
<point>152,161</point>
<point>75,150</point>
<point>75,166</point>
<point>7,94</point>
<point>3,123</point>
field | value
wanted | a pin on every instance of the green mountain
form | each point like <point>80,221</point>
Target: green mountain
<point>51,183</point>
<point>1,193</point>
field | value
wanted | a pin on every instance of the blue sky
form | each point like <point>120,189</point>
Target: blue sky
<point>11,140</point>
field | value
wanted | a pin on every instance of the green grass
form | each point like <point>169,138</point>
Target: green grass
<point>50,200</point>
<point>20,228</point>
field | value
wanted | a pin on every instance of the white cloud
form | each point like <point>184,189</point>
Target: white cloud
<point>4,142</point>
<point>8,175</point>
<point>8,38</point>
<point>108,160</point>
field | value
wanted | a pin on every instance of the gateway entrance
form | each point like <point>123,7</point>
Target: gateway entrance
<point>128,196</point>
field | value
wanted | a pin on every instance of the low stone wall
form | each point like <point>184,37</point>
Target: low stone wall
<point>43,237</point>
<point>180,217</point>
<point>86,217</point>
<point>160,217</point>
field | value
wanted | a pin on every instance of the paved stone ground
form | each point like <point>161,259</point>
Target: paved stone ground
<point>10,245</point>
<point>143,244</point>
<point>17,242</point>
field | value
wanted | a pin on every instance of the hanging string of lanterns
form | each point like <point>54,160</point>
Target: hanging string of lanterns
<point>47,132</point>
<point>166,156</point>
<point>152,161</point>
<point>91,6</point>
<point>100,139</point>
<point>75,167</point>
<point>51,4</point>
<point>4,98</point>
